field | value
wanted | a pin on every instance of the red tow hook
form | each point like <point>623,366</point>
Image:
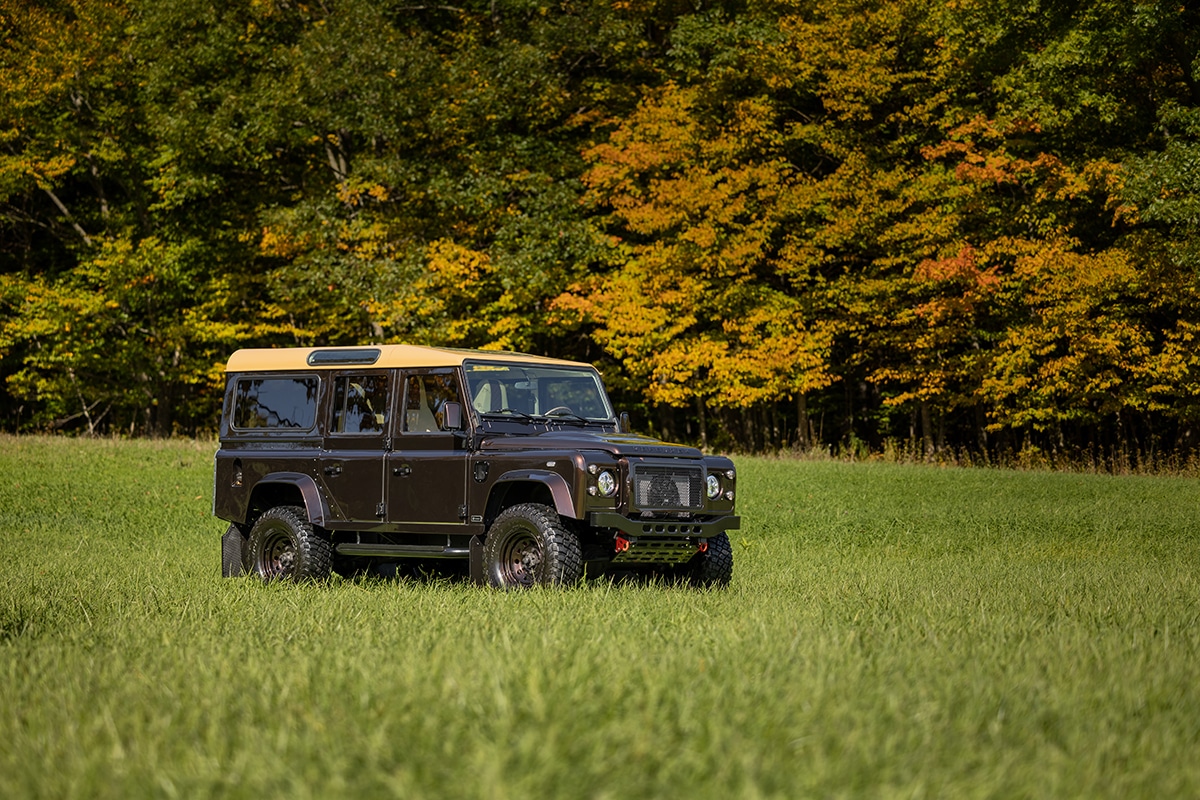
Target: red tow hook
<point>622,544</point>
<point>703,546</point>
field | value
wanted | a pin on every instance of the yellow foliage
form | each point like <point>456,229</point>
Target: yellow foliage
<point>452,265</point>
<point>686,311</point>
<point>354,192</point>
<point>279,243</point>
<point>1081,350</point>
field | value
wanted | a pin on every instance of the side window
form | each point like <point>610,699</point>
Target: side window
<point>274,403</point>
<point>360,404</point>
<point>425,397</point>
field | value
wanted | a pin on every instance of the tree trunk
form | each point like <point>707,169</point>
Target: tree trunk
<point>927,429</point>
<point>803,426</point>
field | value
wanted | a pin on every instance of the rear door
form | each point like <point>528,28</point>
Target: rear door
<point>353,458</point>
<point>427,468</point>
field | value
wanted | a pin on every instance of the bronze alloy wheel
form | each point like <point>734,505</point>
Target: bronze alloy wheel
<point>277,555</point>
<point>527,546</point>
<point>520,559</point>
<point>284,545</point>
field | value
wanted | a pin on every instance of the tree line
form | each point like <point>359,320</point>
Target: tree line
<point>969,224</point>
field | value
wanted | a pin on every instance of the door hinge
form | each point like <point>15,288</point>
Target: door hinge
<point>462,512</point>
<point>381,510</point>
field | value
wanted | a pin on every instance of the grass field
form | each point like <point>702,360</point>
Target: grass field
<point>891,631</point>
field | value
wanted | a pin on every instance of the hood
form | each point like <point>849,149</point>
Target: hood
<point>619,444</point>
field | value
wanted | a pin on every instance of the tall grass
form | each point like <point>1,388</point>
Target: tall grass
<point>891,631</point>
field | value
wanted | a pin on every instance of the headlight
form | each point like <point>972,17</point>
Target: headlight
<point>714,487</point>
<point>606,483</point>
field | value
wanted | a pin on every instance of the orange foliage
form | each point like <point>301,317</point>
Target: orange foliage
<point>687,311</point>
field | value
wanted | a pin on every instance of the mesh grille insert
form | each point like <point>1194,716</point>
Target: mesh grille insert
<point>668,487</point>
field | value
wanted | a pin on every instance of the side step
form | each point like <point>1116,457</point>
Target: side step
<point>401,550</point>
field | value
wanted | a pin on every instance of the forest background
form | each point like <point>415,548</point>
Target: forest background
<point>965,225</point>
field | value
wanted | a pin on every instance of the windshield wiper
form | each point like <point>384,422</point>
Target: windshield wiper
<point>567,416</point>
<point>508,413</point>
<point>562,416</point>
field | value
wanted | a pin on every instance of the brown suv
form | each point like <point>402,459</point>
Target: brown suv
<point>515,464</point>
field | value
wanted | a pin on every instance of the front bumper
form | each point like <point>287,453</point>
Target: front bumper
<point>664,527</point>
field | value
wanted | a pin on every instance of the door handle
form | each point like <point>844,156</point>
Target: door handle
<point>402,471</point>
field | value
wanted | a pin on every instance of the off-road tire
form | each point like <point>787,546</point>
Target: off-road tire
<point>713,567</point>
<point>284,545</point>
<point>528,545</point>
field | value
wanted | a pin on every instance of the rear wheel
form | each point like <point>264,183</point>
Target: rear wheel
<point>527,546</point>
<point>284,545</point>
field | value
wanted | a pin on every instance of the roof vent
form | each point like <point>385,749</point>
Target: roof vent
<point>343,356</point>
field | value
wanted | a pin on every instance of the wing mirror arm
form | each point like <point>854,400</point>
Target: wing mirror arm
<point>452,421</point>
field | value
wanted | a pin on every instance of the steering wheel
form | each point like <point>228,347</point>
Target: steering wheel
<point>556,409</point>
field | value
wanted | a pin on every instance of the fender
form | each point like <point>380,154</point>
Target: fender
<point>559,490</point>
<point>314,503</point>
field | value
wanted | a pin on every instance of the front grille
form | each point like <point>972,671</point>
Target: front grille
<point>668,487</point>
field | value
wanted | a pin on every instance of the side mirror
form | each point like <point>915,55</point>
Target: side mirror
<point>452,417</point>
<point>625,426</point>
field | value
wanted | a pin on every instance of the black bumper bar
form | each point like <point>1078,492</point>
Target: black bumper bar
<point>663,527</point>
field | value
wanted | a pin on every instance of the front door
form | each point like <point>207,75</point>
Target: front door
<point>427,468</point>
<point>352,463</point>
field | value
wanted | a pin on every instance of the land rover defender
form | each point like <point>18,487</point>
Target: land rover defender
<point>514,464</point>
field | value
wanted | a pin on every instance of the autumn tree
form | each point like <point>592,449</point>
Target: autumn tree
<point>813,222</point>
<point>105,319</point>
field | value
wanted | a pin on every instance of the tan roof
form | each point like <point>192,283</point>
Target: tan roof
<point>390,355</point>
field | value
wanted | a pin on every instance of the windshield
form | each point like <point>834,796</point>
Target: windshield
<point>522,391</point>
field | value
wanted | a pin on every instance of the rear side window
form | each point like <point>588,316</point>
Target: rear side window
<point>276,403</point>
<point>360,404</point>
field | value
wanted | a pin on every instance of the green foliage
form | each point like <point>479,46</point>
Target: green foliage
<point>889,630</point>
<point>895,213</point>
<point>119,335</point>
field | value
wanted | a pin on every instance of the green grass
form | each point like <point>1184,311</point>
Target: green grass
<point>891,631</point>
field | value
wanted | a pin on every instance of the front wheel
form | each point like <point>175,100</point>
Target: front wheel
<point>527,546</point>
<point>713,567</point>
<point>284,545</point>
